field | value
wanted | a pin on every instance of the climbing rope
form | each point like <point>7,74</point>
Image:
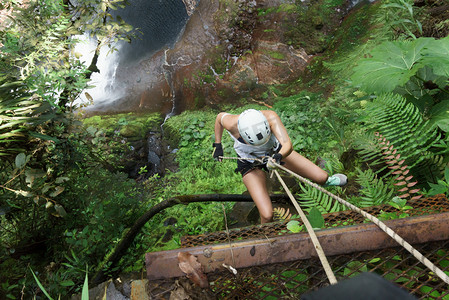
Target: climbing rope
<point>379,223</point>
<point>242,158</point>
<point>316,243</point>
<point>313,237</point>
<point>424,260</point>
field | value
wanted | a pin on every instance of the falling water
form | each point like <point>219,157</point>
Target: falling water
<point>158,24</point>
<point>167,75</point>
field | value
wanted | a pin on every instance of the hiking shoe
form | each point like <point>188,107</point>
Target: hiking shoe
<point>336,179</point>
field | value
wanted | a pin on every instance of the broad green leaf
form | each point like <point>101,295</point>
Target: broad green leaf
<point>391,64</point>
<point>294,226</point>
<point>436,189</point>
<point>442,121</point>
<point>436,55</point>
<point>427,289</point>
<point>315,218</point>
<point>444,263</point>
<point>399,201</point>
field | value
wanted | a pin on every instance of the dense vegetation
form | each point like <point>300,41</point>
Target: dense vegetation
<point>373,105</point>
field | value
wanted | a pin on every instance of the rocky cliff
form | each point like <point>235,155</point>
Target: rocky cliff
<point>228,50</point>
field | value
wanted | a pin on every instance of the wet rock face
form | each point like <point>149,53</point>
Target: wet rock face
<point>149,156</point>
<point>136,140</point>
<point>226,52</point>
<point>239,35</point>
<point>190,6</point>
<point>229,50</point>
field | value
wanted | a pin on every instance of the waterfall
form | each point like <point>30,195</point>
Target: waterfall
<point>167,75</point>
<point>103,86</point>
<point>158,24</point>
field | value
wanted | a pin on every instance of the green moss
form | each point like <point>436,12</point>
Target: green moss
<point>128,124</point>
<point>286,7</point>
<point>135,130</point>
<point>276,55</point>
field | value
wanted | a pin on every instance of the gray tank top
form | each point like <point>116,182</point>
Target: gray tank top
<point>248,151</point>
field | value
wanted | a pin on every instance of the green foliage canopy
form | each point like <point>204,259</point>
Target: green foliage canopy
<point>393,63</point>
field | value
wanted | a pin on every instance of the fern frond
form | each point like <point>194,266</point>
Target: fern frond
<point>374,190</point>
<point>401,123</point>
<point>280,213</point>
<point>311,197</point>
<point>430,168</point>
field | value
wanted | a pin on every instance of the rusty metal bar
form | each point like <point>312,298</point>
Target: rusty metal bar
<point>164,264</point>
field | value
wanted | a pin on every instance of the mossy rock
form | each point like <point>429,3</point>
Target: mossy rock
<point>133,131</point>
<point>153,122</point>
<point>129,124</point>
<point>106,123</point>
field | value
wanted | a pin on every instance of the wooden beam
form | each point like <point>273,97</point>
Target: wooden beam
<point>335,241</point>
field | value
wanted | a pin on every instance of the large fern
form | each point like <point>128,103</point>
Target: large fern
<point>402,124</point>
<point>18,110</point>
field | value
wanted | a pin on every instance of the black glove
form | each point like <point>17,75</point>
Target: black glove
<point>218,151</point>
<point>276,158</point>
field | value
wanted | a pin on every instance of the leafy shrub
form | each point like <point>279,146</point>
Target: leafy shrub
<point>416,140</point>
<point>106,204</point>
<point>302,117</point>
<point>399,15</point>
<point>416,69</point>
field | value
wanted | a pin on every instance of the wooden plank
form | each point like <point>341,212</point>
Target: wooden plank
<point>341,240</point>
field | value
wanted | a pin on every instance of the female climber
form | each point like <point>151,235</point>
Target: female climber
<point>261,134</point>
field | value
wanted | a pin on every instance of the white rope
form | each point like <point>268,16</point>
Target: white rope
<point>313,237</point>
<point>241,158</point>
<point>424,260</point>
<point>379,223</point>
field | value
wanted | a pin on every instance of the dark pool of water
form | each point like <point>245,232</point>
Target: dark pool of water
<point>160,23</point>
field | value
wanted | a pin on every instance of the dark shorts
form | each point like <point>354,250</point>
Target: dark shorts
<point>244,167</point>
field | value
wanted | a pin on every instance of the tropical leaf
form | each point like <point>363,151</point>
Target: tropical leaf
<point>390,64</point>
<point>440,115</point>
<point>402,125</point>
<point>316,218</point>
<point>294,226</point>
<point>436,54</point>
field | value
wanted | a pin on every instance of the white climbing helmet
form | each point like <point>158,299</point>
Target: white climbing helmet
<point>254,127</point>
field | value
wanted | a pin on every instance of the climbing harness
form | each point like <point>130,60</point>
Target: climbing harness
<point>424,260</point>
